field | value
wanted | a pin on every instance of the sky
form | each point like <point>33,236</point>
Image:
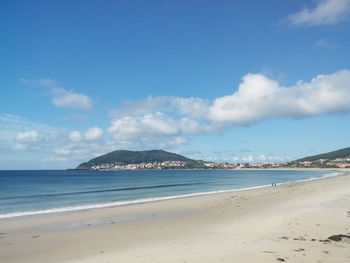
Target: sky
<point>234,81</point>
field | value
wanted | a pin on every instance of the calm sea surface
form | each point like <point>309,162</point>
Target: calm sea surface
<point>31,192</point>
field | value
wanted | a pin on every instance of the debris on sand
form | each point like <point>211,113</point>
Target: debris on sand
<point>338,238</point>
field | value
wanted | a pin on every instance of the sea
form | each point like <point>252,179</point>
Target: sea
<point>24,193</point>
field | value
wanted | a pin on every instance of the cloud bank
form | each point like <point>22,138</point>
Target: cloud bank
<point>257,97</point>
<point>27,136</point>
<point>168,119</point>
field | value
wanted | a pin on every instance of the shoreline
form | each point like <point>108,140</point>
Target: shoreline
<point>210,169</point>
<point>290,222</point>
<point>336,172</point>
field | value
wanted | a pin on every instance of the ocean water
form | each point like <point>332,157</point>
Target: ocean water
<point>37,192</point>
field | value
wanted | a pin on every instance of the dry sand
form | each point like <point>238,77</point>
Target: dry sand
<point>287,223</point>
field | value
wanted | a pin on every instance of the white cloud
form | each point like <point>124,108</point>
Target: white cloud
<point>154,128</point>
<point>262,158</point>
<point>326,12</point>
<point>74,117</point>
<point>63,151</point>
<point>19,147</point>
<point>166,122</point>
<point>192,107</point>
<point>46,82</point>
<point>54,159</point>
<point>172,142</point>
<point>75,136</point>
<point>27,136</point>
<point>93,133</point>
<point>149,125</point>
<point>324,43</point>
<point>18,130</point>
<point>247,159</point>
<point>63,98</point>
<point>139,107</point>
<point>259,97</point>
<point>176,141</point>
<point>21,140</point>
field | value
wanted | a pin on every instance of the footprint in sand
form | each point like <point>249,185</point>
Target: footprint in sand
<point>300,238</point>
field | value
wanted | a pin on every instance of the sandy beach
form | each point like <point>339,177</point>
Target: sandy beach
<point>287,223</point>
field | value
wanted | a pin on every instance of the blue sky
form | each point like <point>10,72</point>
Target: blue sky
<point>216,80</point>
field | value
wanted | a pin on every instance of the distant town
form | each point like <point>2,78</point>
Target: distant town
<point>320,163</point>
<point>160,159</point>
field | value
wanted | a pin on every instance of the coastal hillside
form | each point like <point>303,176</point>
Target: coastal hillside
<point>339,154</point>
<point>134,157</point>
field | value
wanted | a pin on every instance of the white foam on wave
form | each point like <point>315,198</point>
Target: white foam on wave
<point>118,203</point>
<point>329,174</point>
<point>148,200</point>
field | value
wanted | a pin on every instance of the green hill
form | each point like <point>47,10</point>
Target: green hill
<point>134,157</point>
<point>342,153</point>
